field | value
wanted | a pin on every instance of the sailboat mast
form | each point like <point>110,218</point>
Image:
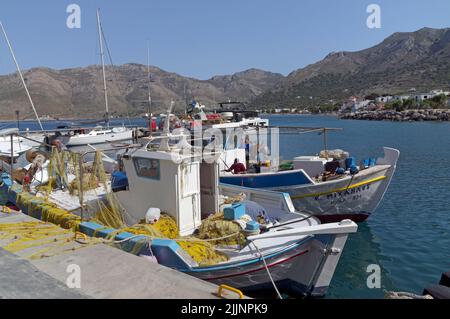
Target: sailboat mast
<point>102,55</point>
<point>149,81</point>
<point>21,75</point>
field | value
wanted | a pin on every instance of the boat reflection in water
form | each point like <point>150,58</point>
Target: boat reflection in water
<point>351,276</point>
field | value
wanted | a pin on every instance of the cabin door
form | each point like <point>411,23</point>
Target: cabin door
<point>189,198</point>
<point>209,182</point>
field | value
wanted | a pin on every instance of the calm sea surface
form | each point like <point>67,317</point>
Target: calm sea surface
<point>409,234</point>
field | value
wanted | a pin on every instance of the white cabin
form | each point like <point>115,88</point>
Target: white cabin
<point>182,186</point>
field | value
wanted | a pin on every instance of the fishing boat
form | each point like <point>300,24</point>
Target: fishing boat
<point>331,185</point>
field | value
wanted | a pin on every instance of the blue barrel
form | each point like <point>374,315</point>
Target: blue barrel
<point>349,162</point>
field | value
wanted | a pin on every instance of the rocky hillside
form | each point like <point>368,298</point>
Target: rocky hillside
<point>79,92</point>
<point>403,61</point>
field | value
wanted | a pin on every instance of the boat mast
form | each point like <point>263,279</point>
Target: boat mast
<point>21,75</point>
<point>102,55</point>
<point>149,82</point>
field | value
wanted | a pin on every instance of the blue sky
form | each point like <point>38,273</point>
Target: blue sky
<point>202,38</point>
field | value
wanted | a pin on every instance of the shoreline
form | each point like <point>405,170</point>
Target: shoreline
<point>421,115</point>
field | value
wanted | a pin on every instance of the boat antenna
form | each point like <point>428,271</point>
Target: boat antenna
<point>21,75</point>
<point>102,55</point>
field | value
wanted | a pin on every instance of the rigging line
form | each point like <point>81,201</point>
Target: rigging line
<point>102,58</point>
<point>113,66</point>
<point>21,75</point>
<point>268,271</point>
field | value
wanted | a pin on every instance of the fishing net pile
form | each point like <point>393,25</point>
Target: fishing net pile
<point>223,232</point>
<point>37,240</point>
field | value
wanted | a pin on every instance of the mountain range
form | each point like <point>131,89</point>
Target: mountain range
<point>405,60</point>
<point>78,92</point>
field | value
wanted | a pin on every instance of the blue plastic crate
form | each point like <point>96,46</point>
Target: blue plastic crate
<point>234,212</point>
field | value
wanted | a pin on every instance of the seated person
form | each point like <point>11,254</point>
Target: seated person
<point>237,168</point>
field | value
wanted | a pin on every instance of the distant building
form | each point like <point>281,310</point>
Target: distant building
<point>401,98</point>
<point>354,104</point>
<point>384,99</point>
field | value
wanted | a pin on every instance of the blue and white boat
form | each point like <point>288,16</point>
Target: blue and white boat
<point>351,195</point>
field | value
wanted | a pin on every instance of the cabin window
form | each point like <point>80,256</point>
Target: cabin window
<point>148,168</point>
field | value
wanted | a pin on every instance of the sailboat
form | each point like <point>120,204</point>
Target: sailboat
<point>100,134</point>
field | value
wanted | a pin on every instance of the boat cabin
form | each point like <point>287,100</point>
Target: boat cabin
<point>184,187</point>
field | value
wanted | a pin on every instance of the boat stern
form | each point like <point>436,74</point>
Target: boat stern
<point>313,272</point>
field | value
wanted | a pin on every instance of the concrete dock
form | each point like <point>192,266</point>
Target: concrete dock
<point>105,272</point>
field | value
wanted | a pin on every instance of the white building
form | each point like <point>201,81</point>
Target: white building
<point>353,104</point>
<point>402,98</point>
<point>384,99</point>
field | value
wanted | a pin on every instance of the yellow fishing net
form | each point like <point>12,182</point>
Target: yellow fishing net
<point>204,253</point>
<point>36,239</point>
<point>216,227</point>
<point>46,211</point>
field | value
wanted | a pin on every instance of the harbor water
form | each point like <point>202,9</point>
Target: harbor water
<point>408,237</point>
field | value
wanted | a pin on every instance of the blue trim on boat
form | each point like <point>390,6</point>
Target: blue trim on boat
<point>267,180</point>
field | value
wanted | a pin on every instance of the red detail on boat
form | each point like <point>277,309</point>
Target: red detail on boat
<point>259,269</point>
<point>213,117</point>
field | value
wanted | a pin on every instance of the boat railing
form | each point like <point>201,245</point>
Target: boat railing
<point>344,227</point>
<point>70,129</point>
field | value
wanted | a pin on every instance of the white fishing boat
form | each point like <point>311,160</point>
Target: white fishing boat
<point>347,191</point>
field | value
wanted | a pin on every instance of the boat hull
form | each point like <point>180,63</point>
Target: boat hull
<point>354,198</point>
<point>85,139</point>
<point>304,269</point>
